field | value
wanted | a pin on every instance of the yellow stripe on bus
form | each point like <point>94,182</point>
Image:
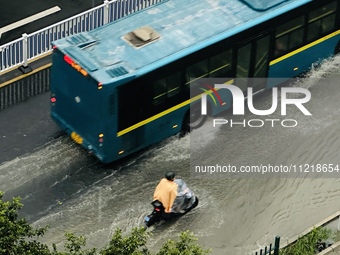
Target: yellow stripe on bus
<point>161,114</point>
<point>275,61</point>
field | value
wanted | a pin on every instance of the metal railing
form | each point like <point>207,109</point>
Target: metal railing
<point>20,51</point>
<point>21,90</point>
<point>271,250</point>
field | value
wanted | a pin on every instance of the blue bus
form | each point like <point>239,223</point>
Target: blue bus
<point>126,85</point>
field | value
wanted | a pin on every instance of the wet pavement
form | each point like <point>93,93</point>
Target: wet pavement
<point>64,187</point>
<point>26,126</point>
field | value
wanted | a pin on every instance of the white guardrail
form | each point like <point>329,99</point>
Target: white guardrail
<point>19,52</point>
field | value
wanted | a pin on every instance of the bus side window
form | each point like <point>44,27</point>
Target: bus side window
<point>321,21</point>
<point>289,36</point>
<point>173,82</point>
<point>221,64</point>
<point>261,59</point>
<point>197,70</point>
<point>159,91</point>
<point>166,88</point>
<point>243,61</point>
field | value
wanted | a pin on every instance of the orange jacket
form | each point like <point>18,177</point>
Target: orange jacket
<point>166,193</point>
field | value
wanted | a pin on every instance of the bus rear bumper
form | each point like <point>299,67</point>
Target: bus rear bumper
<point>78,138</point>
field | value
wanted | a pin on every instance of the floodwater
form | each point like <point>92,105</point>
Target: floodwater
<point>68,190</point>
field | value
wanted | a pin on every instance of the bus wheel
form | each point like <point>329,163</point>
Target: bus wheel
<point>192,120</point>
<point>337,48</point>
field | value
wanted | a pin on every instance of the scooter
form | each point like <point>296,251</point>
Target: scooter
<point>184,203</point>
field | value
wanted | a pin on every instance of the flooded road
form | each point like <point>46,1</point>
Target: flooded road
<point>68,190</point>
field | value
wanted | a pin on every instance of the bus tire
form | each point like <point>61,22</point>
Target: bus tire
<point>337,48</point>
<point>193,119</point>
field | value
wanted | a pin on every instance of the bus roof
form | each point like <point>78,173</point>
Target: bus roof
<point>170,30</point>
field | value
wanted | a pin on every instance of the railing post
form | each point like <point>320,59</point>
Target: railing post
<point>277,245</point>
<point>25,68</point>
<point>106,12</point>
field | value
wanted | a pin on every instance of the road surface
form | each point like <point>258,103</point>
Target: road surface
<point>13,11</point>
<point>64,187</point>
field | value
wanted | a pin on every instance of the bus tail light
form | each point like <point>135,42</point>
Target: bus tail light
<point>53,98</point>
<point>68,60</point>
<point>71,62</point>
<point>100,85</point>
<point>83,72</point>
<point>101,139</point>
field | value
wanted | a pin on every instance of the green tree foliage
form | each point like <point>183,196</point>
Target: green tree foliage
<point>306,245</point>
<point>185,246</point>
<point>133,244</point>
<point>17,237</point>
<point>74,246</point>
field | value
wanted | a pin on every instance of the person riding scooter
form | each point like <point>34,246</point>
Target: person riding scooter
<point>172,198</point>
<point>166,191</point>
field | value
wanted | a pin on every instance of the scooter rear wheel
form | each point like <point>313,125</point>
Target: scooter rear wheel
<point>150,220</point>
